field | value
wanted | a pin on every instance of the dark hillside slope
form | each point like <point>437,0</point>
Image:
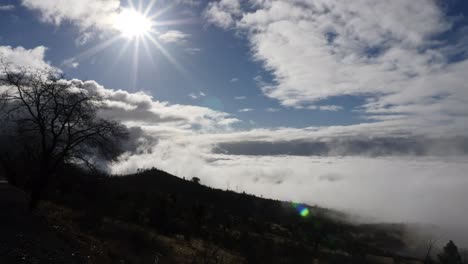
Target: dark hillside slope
<point>257,229</point>
<point>26,237</point>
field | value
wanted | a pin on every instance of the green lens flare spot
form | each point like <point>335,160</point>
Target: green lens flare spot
<point>304,212</point>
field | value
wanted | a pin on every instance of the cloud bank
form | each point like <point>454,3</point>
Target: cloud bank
<point>422,190</point>
<point>391,53</point>
<point>351,146</point>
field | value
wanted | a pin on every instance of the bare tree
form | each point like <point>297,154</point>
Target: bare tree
<point>55,123</point>
<point>431,243</point>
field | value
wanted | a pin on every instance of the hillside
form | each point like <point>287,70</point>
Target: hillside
<point>136,218</point>
<point>27,237</point>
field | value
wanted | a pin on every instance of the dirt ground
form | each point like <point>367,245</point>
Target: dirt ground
<point>24,235</point>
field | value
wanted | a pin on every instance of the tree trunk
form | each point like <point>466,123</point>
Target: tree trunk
<point>39,183</point>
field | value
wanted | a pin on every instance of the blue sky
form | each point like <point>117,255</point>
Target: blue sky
<point>223,68</point>
<point>216,61</point>
<point>356,105</point>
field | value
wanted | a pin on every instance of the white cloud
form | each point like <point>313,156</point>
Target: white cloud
<point>388,51</point>
<point>140,109</point>
<point>233,80</point>
<point>193,51</point>
<point>332,108</point>
<point>71,64</point>
<point>272,110</point>
<point>7,7</point>
<point>19,56</point>
<point>223,13</point>
<point>84,38</point>
<point>197,96</point>
<point>244,110</point>
<point>84,13</point>
<point>173,36</point>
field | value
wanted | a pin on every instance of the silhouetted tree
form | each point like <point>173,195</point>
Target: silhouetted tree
<point>196,180</point>
<point>450,254</point>
<point>54,123</point>
<point>430,246</point>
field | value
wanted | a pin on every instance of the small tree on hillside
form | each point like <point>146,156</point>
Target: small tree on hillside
<point>48,122</point>
<point>450,254</point>
<point>196,180</point>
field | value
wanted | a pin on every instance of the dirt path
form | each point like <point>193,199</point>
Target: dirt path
<point>25,237</point>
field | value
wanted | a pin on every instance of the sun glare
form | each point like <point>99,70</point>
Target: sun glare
<point>132,23</point>
<point>137,25</point>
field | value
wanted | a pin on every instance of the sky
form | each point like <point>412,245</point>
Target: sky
<point>355,105</point>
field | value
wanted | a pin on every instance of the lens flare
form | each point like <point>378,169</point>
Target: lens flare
<point>301,209</point>
<point>304,212</point>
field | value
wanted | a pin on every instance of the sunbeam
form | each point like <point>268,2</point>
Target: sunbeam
<point>149,7</point>
<point>122,50</point>
<point>148,50</point>
<point>135,65</point>
<point>168,56</point>
<point>160,12</point>
<point>93,50</point>
<point>185,21</point>
<point>137,25</point>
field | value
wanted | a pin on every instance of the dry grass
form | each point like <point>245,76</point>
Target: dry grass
<point>108,241</point>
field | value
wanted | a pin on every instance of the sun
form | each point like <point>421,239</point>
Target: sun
<point>131,23</point>
<point>138,25</point>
